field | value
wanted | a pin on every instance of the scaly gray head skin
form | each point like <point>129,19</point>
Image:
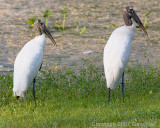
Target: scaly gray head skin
<point>40,27</point>
<point>129,14</point>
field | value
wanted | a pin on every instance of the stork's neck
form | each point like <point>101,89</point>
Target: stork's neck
<point>133,26</point>
<point>132,29</point>
<point>127,19</point>
<point>38,33</point>
<point>41,40</point>
<point>37,29</point>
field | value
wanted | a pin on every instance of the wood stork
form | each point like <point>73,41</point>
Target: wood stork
<point>117,50</point>
<point>29,61</point>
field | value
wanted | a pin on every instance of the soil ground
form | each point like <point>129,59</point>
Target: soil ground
<point>96,15</point>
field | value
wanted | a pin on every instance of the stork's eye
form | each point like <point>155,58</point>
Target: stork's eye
<point>130,10</point>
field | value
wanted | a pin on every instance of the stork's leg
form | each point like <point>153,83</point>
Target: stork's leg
<point>34,80</point>
<point>109,93</point>
<point>40,66</point>
<point>123,86</point>
<point>24,101</point>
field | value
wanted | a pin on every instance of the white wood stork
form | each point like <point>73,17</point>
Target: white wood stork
<point>29,61</point>
<point>117,50</point>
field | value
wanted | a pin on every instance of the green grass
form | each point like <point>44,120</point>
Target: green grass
<point>69,99</point>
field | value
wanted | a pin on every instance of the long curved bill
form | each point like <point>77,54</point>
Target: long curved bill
<point>49,35</point>
<point>138,21</point>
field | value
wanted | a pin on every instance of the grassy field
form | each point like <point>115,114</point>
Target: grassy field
<point>66,98</point>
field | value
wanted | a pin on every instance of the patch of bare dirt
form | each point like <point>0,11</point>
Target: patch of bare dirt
<point>96,15</point>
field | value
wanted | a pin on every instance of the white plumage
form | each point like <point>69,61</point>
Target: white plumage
<point>117,53</point>
<point>27,64</point>
<point>29,61</point>
<point>117,49</point>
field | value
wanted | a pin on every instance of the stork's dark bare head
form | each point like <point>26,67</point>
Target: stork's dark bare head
<point>40,27</point>
<point>129,14</point>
